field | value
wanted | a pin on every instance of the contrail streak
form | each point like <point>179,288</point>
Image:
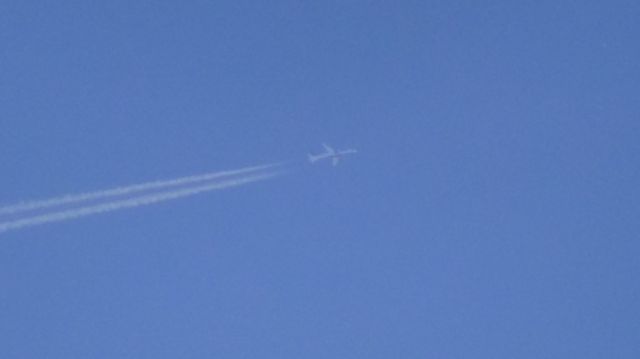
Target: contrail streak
<point>132,202</point>
<point>119,191</point>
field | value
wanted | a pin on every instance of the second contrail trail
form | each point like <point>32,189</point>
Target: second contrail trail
<point>125,190</point>
<point>134,202</point>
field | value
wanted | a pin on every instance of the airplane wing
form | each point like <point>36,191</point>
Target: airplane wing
<point>328,149</point>
<point>335,161</point>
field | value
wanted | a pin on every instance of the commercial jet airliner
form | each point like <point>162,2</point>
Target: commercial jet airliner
<point>334,155</point>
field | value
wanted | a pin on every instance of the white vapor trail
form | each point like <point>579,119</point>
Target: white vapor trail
<point>132,202</point>
<point>88,196</point>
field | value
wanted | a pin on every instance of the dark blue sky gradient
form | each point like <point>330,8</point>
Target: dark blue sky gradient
<point>492,211</point>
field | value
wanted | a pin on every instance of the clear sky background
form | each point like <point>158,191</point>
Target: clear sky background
<point>492,212</point>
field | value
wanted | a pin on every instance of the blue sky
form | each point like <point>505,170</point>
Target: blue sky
<point>492,211</point>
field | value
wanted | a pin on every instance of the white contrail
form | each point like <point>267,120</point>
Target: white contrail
<point>119,191</point>
<point>132,202</point>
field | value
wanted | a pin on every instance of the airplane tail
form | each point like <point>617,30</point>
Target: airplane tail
<point>312,158</point>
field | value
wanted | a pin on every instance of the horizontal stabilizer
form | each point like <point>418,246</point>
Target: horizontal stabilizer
<point>313,158</point>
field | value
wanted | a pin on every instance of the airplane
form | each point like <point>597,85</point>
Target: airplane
<point>331,153</point>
